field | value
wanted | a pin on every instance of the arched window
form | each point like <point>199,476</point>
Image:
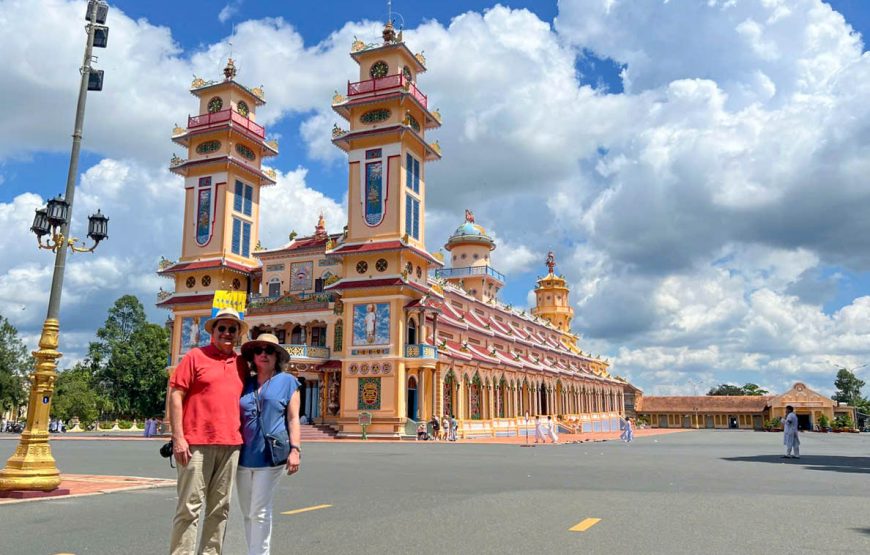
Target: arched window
<point>412,331</point>
<point>274,287</point>
<point>297,336</point>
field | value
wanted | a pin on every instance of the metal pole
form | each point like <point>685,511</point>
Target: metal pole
<point>32,467</point>
<point>60,258</point>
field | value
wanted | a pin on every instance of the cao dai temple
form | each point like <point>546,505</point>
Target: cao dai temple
<point>374,322</point>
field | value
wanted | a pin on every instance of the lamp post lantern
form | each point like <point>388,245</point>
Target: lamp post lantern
<point>32,467</point>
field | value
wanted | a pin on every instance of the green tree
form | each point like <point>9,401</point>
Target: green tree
<point>753,389</point>
<point>130,359</point>
<point>728,389</point>
<point>15,365</point>
<point>76,394</point>
<point>848,388</point>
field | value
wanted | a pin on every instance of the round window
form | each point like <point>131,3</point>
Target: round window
<point>215,105</point>
<point>379,69</point>
<point>237,283</point>
<point>208,147</point>
<point>206,281</point>
<point>191,281</point>
<point>242,108</point>
<point>245,151</point>
<point>362,267</point>
<point>381,265</point>
<point>406,73</point>
<point>409,268</point>
<point>419,272</point>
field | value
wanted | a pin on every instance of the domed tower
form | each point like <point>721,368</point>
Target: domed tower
<point>470,247</point>
<point>551,298</point>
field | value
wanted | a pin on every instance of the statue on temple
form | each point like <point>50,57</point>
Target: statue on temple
<point>551,261</point>
<point>469,216</point>
<point>320,228</point>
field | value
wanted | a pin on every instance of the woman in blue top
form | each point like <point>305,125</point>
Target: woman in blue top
<point>270,397</point>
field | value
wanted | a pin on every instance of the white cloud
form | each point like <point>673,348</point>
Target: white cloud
<point>697,214</point>
<point>229,10</point>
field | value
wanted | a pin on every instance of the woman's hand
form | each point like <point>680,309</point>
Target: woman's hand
<point>293,461</point>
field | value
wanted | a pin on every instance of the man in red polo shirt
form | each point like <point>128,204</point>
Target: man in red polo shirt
<point>204,412</point>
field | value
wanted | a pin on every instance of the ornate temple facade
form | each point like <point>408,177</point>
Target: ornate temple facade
<point>375,324</point>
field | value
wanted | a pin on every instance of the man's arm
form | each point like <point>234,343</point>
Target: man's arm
<point>180,448</point>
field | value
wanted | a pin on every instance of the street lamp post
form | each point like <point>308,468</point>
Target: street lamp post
<point>32,467</point>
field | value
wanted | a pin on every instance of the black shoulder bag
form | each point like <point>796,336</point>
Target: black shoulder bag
<point>277,444</point>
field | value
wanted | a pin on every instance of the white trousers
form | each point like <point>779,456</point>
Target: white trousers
<point>256,492</point>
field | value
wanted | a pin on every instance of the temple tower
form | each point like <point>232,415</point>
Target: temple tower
<point>551,298</point>
<point>223,174</point>
<point>385,265</point>
<point>470,247</point>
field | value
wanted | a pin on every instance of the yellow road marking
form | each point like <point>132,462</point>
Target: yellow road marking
<point>306,509</point>
<point>584,525</point>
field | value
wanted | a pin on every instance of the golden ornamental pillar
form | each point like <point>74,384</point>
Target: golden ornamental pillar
<point>32,467</point>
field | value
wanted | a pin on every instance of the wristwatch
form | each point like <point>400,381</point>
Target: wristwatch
<point>292,447</point>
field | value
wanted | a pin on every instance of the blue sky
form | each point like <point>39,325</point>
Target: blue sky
<point>697,167</point>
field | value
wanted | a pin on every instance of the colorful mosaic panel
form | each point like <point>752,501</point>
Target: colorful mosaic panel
<point>301,275</point>
<point>448,395</point>
<point>371,324</point>
<point>203,211</point>
<point>374,193</point>
<point>474,401</point>
<point>369,394</point>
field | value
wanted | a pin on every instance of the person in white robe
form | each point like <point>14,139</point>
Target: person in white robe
<point>552,429</point>
<point>790,434</point>
<point>539,430</point>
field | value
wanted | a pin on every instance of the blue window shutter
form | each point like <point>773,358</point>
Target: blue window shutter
<point>246,239</point>
<point>249,196</point>
<point>416,176</point>
<point>416,219</point>
<point>237,200</point>
<point>409,171</point>
<point>409,214</point>
<point>237,236</point>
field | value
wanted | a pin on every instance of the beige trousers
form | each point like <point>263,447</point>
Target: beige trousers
<point>209,476</point>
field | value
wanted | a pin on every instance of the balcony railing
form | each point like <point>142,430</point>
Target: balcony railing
<point>306,351</point>
<point>226,115</point>
<point>387,83</point>
<point>421,351</point>
<point>447,273</point>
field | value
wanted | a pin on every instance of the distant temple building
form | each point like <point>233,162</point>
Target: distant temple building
<point>740,411</point>
<point>374,323</point>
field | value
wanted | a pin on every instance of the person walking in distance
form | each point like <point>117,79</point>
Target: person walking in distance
<point>628,432</point>
<point>790,434</point>
<point>552,431</point>
<point>539,430</point>
<point>270,414</point>
<point>204,412</point>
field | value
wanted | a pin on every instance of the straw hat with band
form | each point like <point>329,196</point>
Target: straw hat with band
<point>265,340</point>
<point>227,314</point>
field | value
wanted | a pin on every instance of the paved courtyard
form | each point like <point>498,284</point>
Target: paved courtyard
<point>694,492</point>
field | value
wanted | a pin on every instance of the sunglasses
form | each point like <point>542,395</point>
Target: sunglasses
<point>228,329</point>
<point>261,350</point>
